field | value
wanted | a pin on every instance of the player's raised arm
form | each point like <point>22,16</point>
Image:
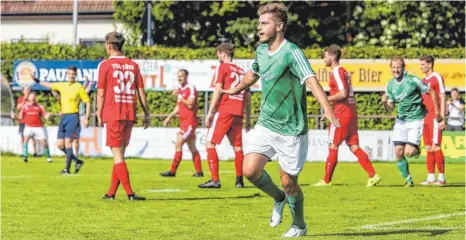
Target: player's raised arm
<point>387,99</point>
<point>26,92</point>
<point>318,92</point>
<point>42,83</point>
<point>248,80</point>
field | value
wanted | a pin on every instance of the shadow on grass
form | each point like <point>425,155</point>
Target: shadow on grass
<point>204,198</point>
<point>431,232</point>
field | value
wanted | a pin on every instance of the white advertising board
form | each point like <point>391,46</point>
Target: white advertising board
<point>159,143</point>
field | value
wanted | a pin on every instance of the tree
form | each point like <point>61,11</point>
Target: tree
<point>311,24</point>
<point>409,24</point>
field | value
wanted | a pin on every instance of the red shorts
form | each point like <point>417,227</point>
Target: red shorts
<point>226,124</point>
<point>348,131</point>
<point>118,133</point>
<point>188,130</point>
<point>431,133</point>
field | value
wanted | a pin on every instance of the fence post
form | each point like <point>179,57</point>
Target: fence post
<point>206,106</point>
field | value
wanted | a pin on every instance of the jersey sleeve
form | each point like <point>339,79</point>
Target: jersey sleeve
<point>388,91</point>
<point>56,86</point>
<point>420,85</point>
<point>440,83</point>
<point>220,74</point>
<point>102,77</point>
<point>192,92</point>
<point>299,65</point>
<point>83,94</point>
<point>255,65</point>
<point>340,81</point>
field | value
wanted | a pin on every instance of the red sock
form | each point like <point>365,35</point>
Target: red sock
<point>176,161</point>
<point>197,162</point>
<point>363,159</point>
<point>212,158</point>
<point>239,163</point>
<point>330,164</point>
<point>123,175</point>
<point>114,183</point>
<point>440,161</point>
<point>430,162</point>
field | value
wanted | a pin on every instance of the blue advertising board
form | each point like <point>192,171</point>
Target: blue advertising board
<point>51,71</point>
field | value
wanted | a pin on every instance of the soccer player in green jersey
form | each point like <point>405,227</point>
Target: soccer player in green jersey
<point>282,126</point>
<point>406,91</point>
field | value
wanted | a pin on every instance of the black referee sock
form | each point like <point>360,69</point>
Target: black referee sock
<point>69,158</point>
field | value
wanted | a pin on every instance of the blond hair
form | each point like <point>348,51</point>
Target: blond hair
<point>278,10</point>
<point>397,58</point>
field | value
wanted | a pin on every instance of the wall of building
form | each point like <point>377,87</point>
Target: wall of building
<point>57,30</point>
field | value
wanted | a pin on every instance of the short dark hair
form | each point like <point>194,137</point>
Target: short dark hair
<point>428,59</point>
<point>73,68</point>
<point>397,58</point>
<point>115,39</point>
<point>334,50</point>
<point>455,89</point>
<point>185,71</point>
<point>226,48</point>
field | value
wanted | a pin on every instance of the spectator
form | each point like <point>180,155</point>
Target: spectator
<point>455,110</point>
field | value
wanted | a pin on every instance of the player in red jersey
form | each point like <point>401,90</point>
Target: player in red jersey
<point>31,114</point>
<point>186,108</point>
<point>225,116</point>
<point>19,103</point>
<point>119,82</point>
<point>344,108</point>
<point>432,132</point>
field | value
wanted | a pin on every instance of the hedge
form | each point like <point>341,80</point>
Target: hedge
<point>163,102</point>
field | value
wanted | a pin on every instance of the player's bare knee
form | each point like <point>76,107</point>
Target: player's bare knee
<point>209,145</point>
<point>333,146</point>
<point>290,187</point>
<point>251,173</point>
<point>354,148</point>
<point>238,149</point>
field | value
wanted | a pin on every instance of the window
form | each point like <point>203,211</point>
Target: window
<point>90,42</point>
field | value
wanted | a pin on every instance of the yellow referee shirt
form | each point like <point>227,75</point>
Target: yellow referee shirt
<point>70,96</point>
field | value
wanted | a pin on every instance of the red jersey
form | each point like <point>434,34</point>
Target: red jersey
<point>230,75</point>
<point>32,114</point>
<point>120,78</point>
<point>18,102</point>
<point>340,80</point>
<point>187,115</point>
<point>435,82</point>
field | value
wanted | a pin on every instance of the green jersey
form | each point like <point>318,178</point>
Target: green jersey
<point>282,74</point>
<point>408,96</point>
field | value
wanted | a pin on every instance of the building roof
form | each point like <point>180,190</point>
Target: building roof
<point>51,7</point>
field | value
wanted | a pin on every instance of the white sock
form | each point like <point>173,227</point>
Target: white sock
<point>441,177</point>
<point>431,177</point>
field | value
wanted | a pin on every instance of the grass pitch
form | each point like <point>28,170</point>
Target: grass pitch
<point>38,203</point>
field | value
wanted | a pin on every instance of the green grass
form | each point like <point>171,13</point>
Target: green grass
<point>38,203</point>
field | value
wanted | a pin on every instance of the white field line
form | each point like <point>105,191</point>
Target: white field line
<point>427,228</point>
<point>226,171</point>
<point>371,226</point>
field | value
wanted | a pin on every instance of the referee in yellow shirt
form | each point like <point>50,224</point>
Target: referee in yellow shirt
<point>71,93</point>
